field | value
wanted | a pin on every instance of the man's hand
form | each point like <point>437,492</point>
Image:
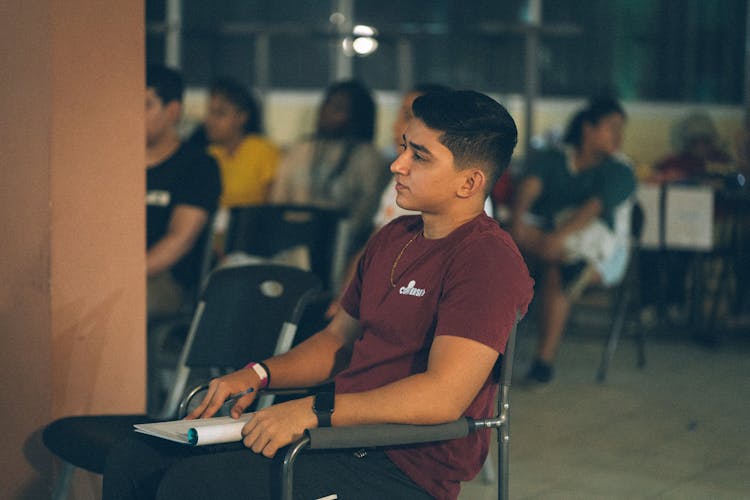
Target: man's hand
<point>219,389</point>
<point>278,426</point>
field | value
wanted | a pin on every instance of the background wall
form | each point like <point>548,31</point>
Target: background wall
<point>72,280</point>
<point>290,115</point>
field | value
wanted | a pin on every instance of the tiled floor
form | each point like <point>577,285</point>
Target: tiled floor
<point>677,429</point>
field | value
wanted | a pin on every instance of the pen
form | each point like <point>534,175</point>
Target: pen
<point>234,397</point>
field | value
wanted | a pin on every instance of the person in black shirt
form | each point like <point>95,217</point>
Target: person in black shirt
<point>183,188</point>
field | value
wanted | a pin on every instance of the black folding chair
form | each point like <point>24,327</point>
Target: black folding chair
<point>245,313</point>
<point>370,436</point>
<point>162,331</point>
<point>267,230</point>
<point>624,300</point>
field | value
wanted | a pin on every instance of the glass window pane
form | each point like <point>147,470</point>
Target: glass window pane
<point>300,62</point>
<point>637,49</point>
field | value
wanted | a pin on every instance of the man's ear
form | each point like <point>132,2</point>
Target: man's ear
<point>474,181</point>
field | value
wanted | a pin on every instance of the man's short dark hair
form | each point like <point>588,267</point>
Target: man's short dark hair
<point>236,93</point>
<point>166,82</point>
<point>478,130</point>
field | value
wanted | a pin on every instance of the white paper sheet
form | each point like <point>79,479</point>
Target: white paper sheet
<point>689,218</point>
<point>207,430</point>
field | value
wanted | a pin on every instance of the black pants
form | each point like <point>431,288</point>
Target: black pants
<point>144,467</point>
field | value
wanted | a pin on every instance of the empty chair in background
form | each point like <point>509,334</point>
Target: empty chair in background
<point>304,236</point>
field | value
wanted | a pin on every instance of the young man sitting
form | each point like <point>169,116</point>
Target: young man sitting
<point>182,191</point>
<point>420,328</point>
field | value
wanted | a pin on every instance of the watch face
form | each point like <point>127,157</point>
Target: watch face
<point>324,402</point>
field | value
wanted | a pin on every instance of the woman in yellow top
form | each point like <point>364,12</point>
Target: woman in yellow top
<point>248,161</point>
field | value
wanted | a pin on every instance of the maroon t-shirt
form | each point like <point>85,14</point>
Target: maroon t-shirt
<point>470,284</point>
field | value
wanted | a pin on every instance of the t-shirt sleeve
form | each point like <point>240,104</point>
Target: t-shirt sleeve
<point>200,185</point>
<point>538,165</point>
<point>486,287</point>
<point>614,185</point>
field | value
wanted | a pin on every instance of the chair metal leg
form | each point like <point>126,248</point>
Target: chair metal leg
<point>63,482</point>
<point>641,345</point>
<point>287,468</point>
<point>613,339</point>
<point>503,461</point>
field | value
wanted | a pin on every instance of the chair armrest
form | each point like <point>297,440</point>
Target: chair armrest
<point>367,436</point>
<point>182,410</point>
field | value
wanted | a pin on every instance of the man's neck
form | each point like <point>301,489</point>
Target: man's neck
<point>160,151</point>
<point>438,226</point>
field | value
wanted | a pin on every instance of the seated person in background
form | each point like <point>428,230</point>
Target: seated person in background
<point>419,332</point>
<point>663,276</point>
<point>564,216</point>
<point>696,141</point>
<point>247,160</point>
<point>339,166</point>
<point>182,191</point>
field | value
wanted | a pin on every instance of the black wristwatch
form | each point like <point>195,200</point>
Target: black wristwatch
<point>323,405</point>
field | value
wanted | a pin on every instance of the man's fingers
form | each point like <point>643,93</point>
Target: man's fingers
<point>270,450</point>
<point>217,401</point>
<point>252,433</point>
<point>241,405</point>
<point>198,411</point>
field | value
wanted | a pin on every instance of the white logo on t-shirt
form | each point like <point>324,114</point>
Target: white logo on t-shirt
<point>158,198</point>
<point>410,289</point>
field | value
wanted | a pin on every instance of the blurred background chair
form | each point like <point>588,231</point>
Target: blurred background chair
<point>167,333</point>
<point>620,301</point>
<point>311,237</point>
<point>245,313</point>
<point>624,301</point>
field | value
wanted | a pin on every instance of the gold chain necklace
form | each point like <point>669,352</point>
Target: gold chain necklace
<point>398,258</point>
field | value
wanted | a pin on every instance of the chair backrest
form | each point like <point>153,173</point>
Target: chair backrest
<point>266,230</point>
<point>245,313</point>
